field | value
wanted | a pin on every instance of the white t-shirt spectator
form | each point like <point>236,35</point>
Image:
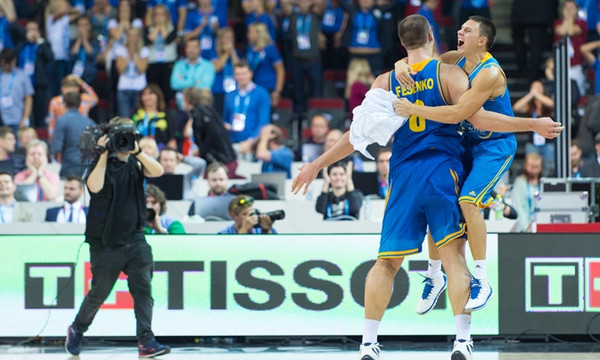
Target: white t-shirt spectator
<point>112,24</point>
<point>59,35</point>
<point>131,79</point>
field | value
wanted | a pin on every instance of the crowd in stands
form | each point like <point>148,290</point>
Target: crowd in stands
<point>207,84</point>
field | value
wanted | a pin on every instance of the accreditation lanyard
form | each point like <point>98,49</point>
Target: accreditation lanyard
<point>255,57</point>
<point>530,201</point>
<point>2,207</point>
<point>364,23</point>
<point>103,30</point>
<point>2,31</point>
<point>237,106</point>
<point>6,99</point>
<point>28,59</point>
<point>149,127</point>
<point>303,27</point>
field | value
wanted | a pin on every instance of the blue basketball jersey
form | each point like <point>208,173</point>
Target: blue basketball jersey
<point>421,135</point>
<point>500,104</point>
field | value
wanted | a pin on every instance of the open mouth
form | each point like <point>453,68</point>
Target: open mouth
<point>461,42</point>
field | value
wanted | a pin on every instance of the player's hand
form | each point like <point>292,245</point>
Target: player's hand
<point>403,107</point>
<point>403,74</point>
<point>548,128</point>
<point>308,174</point>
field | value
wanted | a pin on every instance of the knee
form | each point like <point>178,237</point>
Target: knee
<point>390,265</point>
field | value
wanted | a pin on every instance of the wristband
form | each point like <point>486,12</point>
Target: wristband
<point>138,152</point>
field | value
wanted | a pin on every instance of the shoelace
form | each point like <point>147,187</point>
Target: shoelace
<point>428,287</point>
<point>475,288</point>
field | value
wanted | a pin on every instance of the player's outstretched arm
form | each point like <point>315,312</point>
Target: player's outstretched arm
<point>493,121</point>
<point>466,105</point>
<point>308,172</point>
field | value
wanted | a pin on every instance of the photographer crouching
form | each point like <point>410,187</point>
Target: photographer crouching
<point>248,220</point>
<point>115,231</point>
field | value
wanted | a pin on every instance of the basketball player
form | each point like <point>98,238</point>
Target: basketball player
<point>422,149</point>
<point>488,154</point>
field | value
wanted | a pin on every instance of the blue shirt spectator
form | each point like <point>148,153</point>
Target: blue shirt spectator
<point>84,50</point>
<point>203,24</point>
<point>220,7</point>
<point>15,92</point>
<point>176,8</point>
<point>275,156</point>
<point>333,18</point>
<point>247,110</point>
<point>263,18</point>
<point>193,70</point>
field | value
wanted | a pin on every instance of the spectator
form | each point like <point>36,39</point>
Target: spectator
<point>312,147</point>
<point>35,57</point>
<point>7,21</point>
<point>226,57</point>
<point>592,167</point>
<point>72,210</point>
<point>17,101</point>
<point>151,119</point>
<point>7,147</point>
<point>177,11</point>
<point>217,179</point>
<point>245,220</point>
<point>577,163</point>
<point>208,131</point>
<point>588,11</point>
<point>11,211</point>
<point>59,33</point>
<point>383,171</point>
<point>25,135</point>
<point>358,81</point>
<point>257,12</point>
<point>589,51</point>
<point>170,159</point>
<point>576,30</point>
<point>84,51</point>
<point>364,35</point>
<point>161,41</point>
<point>270,149</point>
<point>265,62</point>
<point>533,22</point>
<point>333,27</point>
<point>193,70</point>
<point>525,188</point>
<point>203,24</point>
<point>149,147</point>
<point>66,136</point>
<point>101,13</point>
<point>71,83</point>
<point>332,137</point>
<point>247,110</point>
<point>131,63</point>
<point>342,200</point>
<point>36,159</point>
<point>305,29</point>
<point>221,8</point>
<point>161,223</point>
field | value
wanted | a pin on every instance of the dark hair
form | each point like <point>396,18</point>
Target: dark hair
<point>193,39</point>
<point>486,29</point>
<point>72,99</point>
<point>413,31</point>
<point>597,139</point>
<point>73,177</point>
<point>7,55</point>
<point>158,195</point>
<point>340,163</point>
<point>381,151</point>
<point>165,149</point>
<point>575,142</point>
<point>154,89</point>
<point>4,130</point>
<point>242,64</point>
<point>9,174</point>
<point>92,34</point>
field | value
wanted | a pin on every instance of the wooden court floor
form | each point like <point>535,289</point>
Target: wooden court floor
<point>390,351</point>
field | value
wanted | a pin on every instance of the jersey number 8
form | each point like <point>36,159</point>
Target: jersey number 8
<point>417,123</point>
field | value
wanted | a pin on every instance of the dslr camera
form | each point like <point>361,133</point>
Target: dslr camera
<point>274,215</point>
<point>122,138</point>
<point>150,214</point>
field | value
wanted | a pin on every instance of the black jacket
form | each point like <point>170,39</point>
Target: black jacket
<point>210,135</point>
<point>43,59</point>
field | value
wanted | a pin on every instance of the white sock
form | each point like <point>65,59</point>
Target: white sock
<point>480,269</point>
<point>463,326</point>
<point>434,267</point>
<point>371,327</point>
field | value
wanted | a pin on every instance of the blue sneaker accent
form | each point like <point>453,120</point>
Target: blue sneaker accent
<point>73,341</point>
<point>431,292</point>
<point>480,295</point>
<point>153,349</point>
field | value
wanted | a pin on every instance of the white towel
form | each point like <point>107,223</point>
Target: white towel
<point>374,121</point>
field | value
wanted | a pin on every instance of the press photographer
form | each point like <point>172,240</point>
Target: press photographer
<point>248,220</point>
<point>115,230</point>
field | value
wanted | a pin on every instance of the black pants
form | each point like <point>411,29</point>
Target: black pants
<point>314,72</point>
<point>136,261</point>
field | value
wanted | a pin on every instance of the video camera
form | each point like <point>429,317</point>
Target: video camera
<point>122,138</point>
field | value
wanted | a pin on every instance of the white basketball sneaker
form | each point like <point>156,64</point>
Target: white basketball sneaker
<point>481,294</point>
<point>369,351</point>
<point>431,292</point>
<point>463,350</point>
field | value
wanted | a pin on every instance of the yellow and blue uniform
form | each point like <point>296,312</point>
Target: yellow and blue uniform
<point>488,154</point>
<point>426,173</point>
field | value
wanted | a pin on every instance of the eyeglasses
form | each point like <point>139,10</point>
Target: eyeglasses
<point>244,202</point>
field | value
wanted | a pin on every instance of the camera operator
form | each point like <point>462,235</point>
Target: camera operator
<point>115,233</point>
<point>246,219</point>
